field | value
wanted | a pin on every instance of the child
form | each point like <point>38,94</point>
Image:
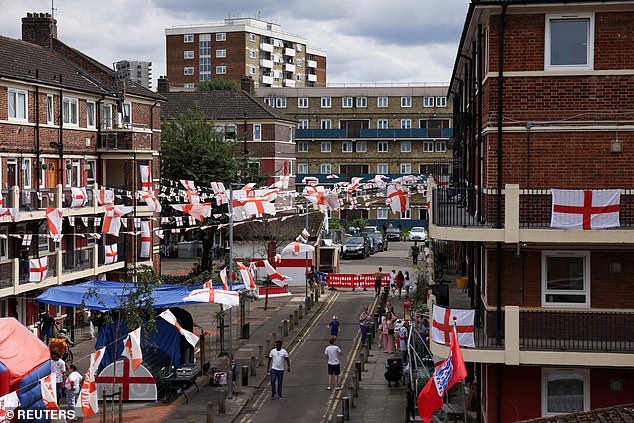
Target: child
<point>334,327</point>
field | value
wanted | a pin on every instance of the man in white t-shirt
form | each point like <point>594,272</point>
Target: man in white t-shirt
<point>277,356</point>
<point>58,368</point>
<point>334,366</point>
<point>73,386</point>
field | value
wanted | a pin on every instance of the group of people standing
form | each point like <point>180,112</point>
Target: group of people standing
<point>396,282</point>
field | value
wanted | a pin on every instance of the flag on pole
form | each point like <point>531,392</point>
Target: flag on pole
<point>216,296</point>
<point>88,393</point>
<point>223,279</point>
<point>585,209</point>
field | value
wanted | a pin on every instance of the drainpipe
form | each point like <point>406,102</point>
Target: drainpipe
<point>99,122</point>
<point>479,121</point>
<point>152,125</point>
<point>37,133</point>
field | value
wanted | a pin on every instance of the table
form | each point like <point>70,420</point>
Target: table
<point>174,382</point>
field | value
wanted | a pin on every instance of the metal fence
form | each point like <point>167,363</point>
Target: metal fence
<point>78,260</point>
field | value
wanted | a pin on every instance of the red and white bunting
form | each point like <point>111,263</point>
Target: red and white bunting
<point>297,247</point>
<point>190,337</point>
<point>191,193</point>
<point>146,239</point>
<point>38,269</point>
<point>54,219</point>
<point>146,178</point>
<point>132,348</point>
<point>111,254</point>
<point>282,183</point>
<point>26,240</point>
<point>79,197</point>
<point>310,180</point>
<point>220,193</point>
<point>354,184</point>
<point>585,209</point>
<point>223,279</point>
<point>88,393</point>
<point>105,197</point>
<point>200,211</point>
<point>49,392</point>
<point>274,276</point>
<point>151,201</point>
<point>397,199</point>
<point>246,277</point>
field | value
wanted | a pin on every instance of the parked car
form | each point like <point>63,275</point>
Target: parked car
<point>393,234</point>
<point>380,241</point>
<point>356,246</point>
<point>370,230</point>
<point>374,246</point>
<point>417,233</point>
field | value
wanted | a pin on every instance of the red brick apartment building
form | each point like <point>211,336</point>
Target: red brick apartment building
<point>66,121</point>
<point>242,46</point>
<point>542,94</point>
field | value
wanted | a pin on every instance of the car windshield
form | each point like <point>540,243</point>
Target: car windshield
<point>393,230</point>
<point>417,229</point>
<point>369,229</point>
<point>355,241</point>
<point>375,236</point>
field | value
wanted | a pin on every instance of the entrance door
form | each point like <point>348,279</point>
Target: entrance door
<point>12,173</point>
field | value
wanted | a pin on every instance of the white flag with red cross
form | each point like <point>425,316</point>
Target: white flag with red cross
<point>223,279</point>
<point>132,348</point>
<point>54,220</point>
<point>150,199</point>
<point>111,254</point>
<point>146,178</point>
<point>397,199</point>
<point>190,337</point>
<point>246,277</point>
<point>274,276</point>
<point>191,193</point>
<point>220,193</point>
<point>255,206</point>
<point>79,197</point>
<point>216,296</point>
<point>112,219</point>
<point>8,406</point>
<point>38,269</point>
<point>199,210</point>
<point>48,386</point>
<point>585,209</point>
<point>105,197</point>
<point>88,393</point>
<point>282,183</point>
<point>297,247</point>
<point>354,184</point>
<point>443,321</point>
<point>146,239</point>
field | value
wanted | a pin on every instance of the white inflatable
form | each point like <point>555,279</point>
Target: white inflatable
<point>136,385</point>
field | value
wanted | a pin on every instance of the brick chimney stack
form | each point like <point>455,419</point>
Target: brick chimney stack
<point>39,28</point>
<point>247,84</point>
<point>163,84</point>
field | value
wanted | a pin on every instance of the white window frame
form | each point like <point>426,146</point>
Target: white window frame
<point>586,278</point>
<point>346,102</point>
<point>221,36</point>
<point>325,168</point>
<point>326,147</point>
<point>406,214</point>
<point>252,37</point>
<point>583,374</point>
<point>441,146</point>
<point>302,168</point>
<point>27,172</point>
<point>428,146</point>
<point>126,113</point>
<point>441,101</point>
<point>404,168</point>
<point>303,124</point>
<point>361,146</point>
<point>108,120</point>
<point>188,85</point>
<point>380,145</point>
<point>253,54</point>
<point>73,103</point>
<point>257,132</point>
<point>91,114</point>
<point>406,101</point>
<point>406,124</point>
<point>188,54</point>
<point>221,52</point>
<point>12,92</point>
<point>252,70</point>
<point>188,38</point>
<point>382,102</point>
<point>299,63</point>
<point>50,109</point>
<point>280,102</point>
<point>326,102</point>
<point>91,165</point>
<point>221,70</point>
<point>347,147</point>
<point>361,102</point>
<point>325,124</point>
<point>188,71</point>
<point>382,168</point>
<point>406,146</point>
<point>428,101</point>
<point>269,101</point>
<point>302,147</point>
<point>302,102</point>
<point>589,43</point>
<point>382,124</point>
<point>382,213</point>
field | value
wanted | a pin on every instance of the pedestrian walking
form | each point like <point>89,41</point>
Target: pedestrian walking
<point>407,284</point>
<point>277,357</point>
<point>400,281</point>
<point>387,330</point>
<point>73,386</point>
<point>378,279</point>
<point>234,377</point>
<point>334,366</point>
<point>334,327</point>
<point>415,253</point>
<point>392,281</point>
<point>58,368</point>
<point>403,334</point>
<point>364,323</point>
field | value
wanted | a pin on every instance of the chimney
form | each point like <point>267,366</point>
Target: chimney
<point>162,85</point>
<point>39,28</point>
<point>247,84</point>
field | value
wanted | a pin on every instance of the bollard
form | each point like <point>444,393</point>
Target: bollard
<point>357,367</point>
<point>290,322</point>
<point>355,384</point>
<point>300,311</point>
<point>351,396</point>
<point>281,329</point>
<point>285,327</point>
<point>316,296</point>
<point>296,317</point>
<point>261,355</point>
<point>210,412</point>
<point>254,364</point>
<point>362,361</point>
<point>339,418</point>
<point>245,375</point>
<point>221,401</point>
<point>345,408</point>
<point>307,304</point>
<point>267,346</point>
<point>322,288</point>
<point>366,350</point>
<point>370,338</point>
<point>312,299</point>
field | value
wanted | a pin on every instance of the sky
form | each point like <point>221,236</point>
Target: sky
<point>376,41</point>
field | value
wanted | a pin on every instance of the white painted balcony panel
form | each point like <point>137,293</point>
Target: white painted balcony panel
<point>311,78</point>
<point>265,63</point>
<point>289,67</point>
<point>266,47</point>
<point>311,63</point>
<point>289,52</point>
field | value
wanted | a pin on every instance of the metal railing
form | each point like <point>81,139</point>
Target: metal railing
<point>24,270</point>
<point>458,207</point>
<point>121,254</point>
<point>6,274</point>
<point>67,197</point>
<point>77,260</point>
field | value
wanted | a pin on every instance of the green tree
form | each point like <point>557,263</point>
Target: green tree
<point>218,84</point>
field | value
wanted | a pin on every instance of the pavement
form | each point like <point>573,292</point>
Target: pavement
<point>306,398</point>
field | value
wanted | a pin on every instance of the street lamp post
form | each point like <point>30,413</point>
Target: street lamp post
<point>306,300</point>
<point>229,373</point>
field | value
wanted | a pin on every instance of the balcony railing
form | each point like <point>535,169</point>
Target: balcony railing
<point>6,274</point>
<point>77,261</point>
<point>375,133</point>
<point>457,207</point>
<point>24,270</point>
<point>67,194</point>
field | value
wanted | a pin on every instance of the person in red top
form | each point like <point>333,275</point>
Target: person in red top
<point>400,280</point>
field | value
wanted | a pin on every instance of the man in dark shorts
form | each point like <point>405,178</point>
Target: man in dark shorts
<point>378,278</point>
<point>334,366</point>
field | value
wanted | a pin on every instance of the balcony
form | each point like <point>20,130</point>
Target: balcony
<point>266,47</point>
<point>126,139</point>
<point>289,67</point>
<point>390,133</point>
<point>461,214</point>
<point>366,177</point>
<point>289,52</point>
<point>311,78</point>
<point>289,83</point>
<point>267,79</point>
<point>265,63</point>
<point>320,133</point>
<point>311,63</point>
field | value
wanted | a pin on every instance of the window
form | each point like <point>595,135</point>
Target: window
<point>362,147</point>
<point>382,213</point>
<point>257,132</point>
<point>441,101</point>
<point>382,102</point>
<point>346,102</point>
<point>107,116</point>
<point>280,102</point>
<point>221,70</point>
<point>382,168</point>
<point>569,42</point>
<point>565,391</point>
<point>566,278</point>
<point>406,101</point>
<point>188,70</point>
<point>302,103</point>
<point>362,101</point>
<point>428,146</point>
<point>299,63</point>
<point>269,101</point>
<point>69,110</point>
<point>302,147</point>
<point>346,147</point>
<point>381,146</point>
<point>326,102</point>
<point>302,168</point>
<point>406,146</point>
<point>26,172</point>
<point>303,124</point>
<point>252,38</point>
<point>18,104</point>
<point>325,168</point>
<point>406,168</point>
<point>188,54</point>
<point>428,101</point>
<point>253,54</point>
<point>188,85</point>
<point>326,147</point>
<point>406,215</point>
<point>221,53</point>
<point>221,36</point>
<point>50,116</point>
<point>188,38</point>
<point>252,70</point>
<point>441,146</point>
<point>91,171</point>
<point>127,113</point>
<point>382,124</point>
<point>326,124</point>
<point>406,124</point>
<point>4,250</point>
<point>90,114</point>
